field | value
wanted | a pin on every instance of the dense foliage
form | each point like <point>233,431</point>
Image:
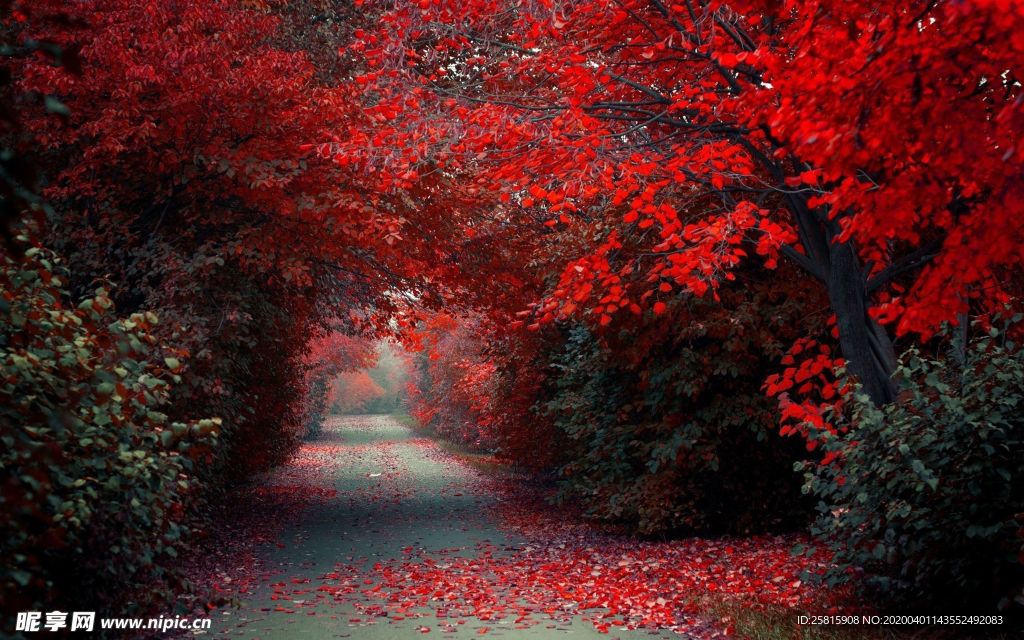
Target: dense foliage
<point>379,389</point>
<point>721,131</point>
<point>668,423</point>
<point>662,424</point>
<point>477,385</point>
<point>174,176</point>
<point>170,184</point>
<point>354,392</point>
<point>94,476</point>
<point>332,357</point>
<point>922,500</point>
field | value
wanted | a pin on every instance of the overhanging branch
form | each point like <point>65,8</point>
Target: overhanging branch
<point>907,263</point>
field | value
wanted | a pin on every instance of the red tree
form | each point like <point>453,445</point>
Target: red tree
<point>863,141</point>
<point>186,174</point>
<point>477,381</point>
<point>331,354</point>
<point>353,392</point>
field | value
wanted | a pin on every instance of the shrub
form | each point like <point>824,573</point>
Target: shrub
<point>669,427</point>
<point>922,500</point>
<point>92,475</point>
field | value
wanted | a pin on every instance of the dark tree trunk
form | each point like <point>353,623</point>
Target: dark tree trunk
<point>866,347</point>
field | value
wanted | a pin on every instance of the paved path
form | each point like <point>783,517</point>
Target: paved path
<point>367,561</point>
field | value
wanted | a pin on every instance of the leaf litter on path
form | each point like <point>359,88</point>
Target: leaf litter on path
<point>433,544</point>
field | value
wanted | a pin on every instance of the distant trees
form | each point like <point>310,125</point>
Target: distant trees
<point>354,392</point>
<point>332,356</point>
<point>377,387</point>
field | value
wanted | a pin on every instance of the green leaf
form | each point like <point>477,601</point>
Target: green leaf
<point>53,105</point>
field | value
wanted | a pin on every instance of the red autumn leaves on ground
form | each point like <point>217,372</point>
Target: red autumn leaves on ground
<point>558,569</point>
<point>611,585</point>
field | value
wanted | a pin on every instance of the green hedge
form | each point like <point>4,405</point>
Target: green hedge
<point>667,425</point>
<point>92,475</point>
<point>922,502</point>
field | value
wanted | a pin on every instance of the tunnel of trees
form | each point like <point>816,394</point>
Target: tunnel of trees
<point>707,267</point>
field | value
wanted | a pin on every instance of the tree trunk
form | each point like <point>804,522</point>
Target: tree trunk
<point>866,347</point>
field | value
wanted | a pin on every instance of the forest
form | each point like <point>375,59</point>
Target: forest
<point>695,269</point>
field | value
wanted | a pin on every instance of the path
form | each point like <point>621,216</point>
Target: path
<point>408,545</point>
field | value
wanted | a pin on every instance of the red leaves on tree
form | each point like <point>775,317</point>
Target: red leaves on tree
<point>656,142</point>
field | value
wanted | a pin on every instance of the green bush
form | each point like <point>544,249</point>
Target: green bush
<point>922,501</point>
<point>92,475</point>
<point>667,426</point>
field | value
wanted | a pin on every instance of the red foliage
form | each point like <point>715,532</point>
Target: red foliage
<point>185,175</point>
<point>910,115</point>
<point>476,384</point>
<point>331,354</point>
<point>352,392</point>
<point>807,388</point>
<point>173,100</point>
<point>249,176</point>
<point>865,142</point>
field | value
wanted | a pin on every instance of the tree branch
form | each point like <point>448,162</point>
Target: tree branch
<point>802,260</point>
<point>907,263</point>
